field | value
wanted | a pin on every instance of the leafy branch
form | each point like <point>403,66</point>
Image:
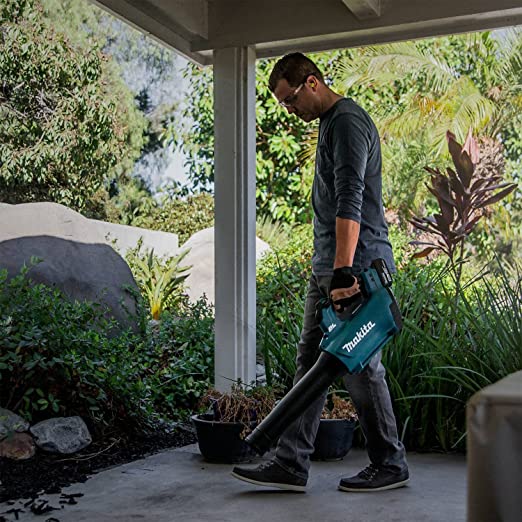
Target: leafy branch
<point>462,197</point>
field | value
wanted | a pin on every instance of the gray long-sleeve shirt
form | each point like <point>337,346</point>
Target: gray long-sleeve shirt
<point>348,184</point>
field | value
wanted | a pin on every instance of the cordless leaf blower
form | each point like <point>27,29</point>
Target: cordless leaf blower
<point>350,339</point>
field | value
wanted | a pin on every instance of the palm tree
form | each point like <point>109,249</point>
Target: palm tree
<point>481,93</point>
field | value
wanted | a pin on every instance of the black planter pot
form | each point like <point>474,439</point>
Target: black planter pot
<point>220,442</point>
<point>334,439</point>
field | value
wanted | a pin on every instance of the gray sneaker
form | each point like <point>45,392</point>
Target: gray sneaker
<point>374,478</point>
<point>272,475</point>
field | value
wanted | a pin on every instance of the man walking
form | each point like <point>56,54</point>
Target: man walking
<point>349,233</point>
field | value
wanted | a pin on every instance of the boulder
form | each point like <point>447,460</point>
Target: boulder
<point>75,258</point>
<point>62,434</point>
<point>18,446</point>
<point>11,422</point>
<point>65,223</point>
<point>46,219</point>
<point>201,257</point>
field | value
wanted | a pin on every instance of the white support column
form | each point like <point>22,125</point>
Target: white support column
<point>235,219</point>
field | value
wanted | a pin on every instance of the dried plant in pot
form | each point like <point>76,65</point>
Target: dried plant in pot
<point>335,434</point>
<point>228,418</point>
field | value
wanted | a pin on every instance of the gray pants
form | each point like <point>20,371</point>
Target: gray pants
<point>368,391</point>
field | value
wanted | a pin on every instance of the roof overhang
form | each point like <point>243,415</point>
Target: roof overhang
<point>195,28</point>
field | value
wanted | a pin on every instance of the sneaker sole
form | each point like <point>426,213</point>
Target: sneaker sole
<point>395,485</point>
<point>279,485</point>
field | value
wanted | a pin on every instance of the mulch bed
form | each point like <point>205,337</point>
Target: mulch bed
<point>49,473</point>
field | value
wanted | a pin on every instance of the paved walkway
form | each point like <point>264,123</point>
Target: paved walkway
<point>178,485</point>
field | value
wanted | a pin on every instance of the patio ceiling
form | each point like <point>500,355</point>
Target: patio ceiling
<point>195,28</point>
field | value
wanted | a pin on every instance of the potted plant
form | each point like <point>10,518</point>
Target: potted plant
<point>335,434</point>
<point>228,418</point>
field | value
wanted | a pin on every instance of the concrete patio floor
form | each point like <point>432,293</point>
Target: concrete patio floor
<point>177,485</point>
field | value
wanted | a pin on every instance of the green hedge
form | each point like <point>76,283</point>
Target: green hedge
<point>60,358</point>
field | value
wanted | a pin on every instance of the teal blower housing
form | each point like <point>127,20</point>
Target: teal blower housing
<point>350,339</point>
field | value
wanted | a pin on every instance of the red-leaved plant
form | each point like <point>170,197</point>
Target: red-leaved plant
<point>462,197</point>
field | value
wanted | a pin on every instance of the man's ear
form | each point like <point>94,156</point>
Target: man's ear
<point>312,81</point>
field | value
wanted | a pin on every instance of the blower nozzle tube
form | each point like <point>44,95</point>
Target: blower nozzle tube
<point>315,382</point>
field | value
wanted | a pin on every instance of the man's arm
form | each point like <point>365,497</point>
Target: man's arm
<point>350,153</point>
<point>346,236</point>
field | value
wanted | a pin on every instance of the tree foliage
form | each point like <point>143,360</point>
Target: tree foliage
<point>414,91</point>
<point>64,117</point>
<point>148,69</point>
<point>457,82</point>
<point>182,216</point>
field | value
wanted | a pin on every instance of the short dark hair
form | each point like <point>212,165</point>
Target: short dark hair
<point>293,68</point>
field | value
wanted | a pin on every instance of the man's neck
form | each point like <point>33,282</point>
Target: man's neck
<point>329,100</point>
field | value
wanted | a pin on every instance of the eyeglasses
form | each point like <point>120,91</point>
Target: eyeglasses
<point>292,98</point>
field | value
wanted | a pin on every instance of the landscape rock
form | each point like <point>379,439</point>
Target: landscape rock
<point>58,223</point>
<point>75,258</point>
<point>17,446</point>
<point>62,435</point>
<point>201,258</point>
<point>11,422</point>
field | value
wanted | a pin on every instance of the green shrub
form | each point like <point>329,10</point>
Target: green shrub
<point>450,348</point>
<point>402,250</point>
<point>282,281</point>
<point>59,358</point>
<point>275,233</point>
<point>178,364</point>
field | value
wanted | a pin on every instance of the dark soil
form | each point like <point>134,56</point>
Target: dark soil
<point>49,473</point>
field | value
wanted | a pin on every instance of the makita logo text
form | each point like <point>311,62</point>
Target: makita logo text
<point>331,327</point>
<point>359,336</point>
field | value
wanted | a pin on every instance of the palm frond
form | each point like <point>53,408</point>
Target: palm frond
<point>383,64</point>
<point>509,55</point>
<point>307,154</point>
<point>466,107</point>
<point>404,125</point>
<point>461,108</point>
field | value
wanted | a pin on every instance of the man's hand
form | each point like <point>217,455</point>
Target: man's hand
<point>343,286</point>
